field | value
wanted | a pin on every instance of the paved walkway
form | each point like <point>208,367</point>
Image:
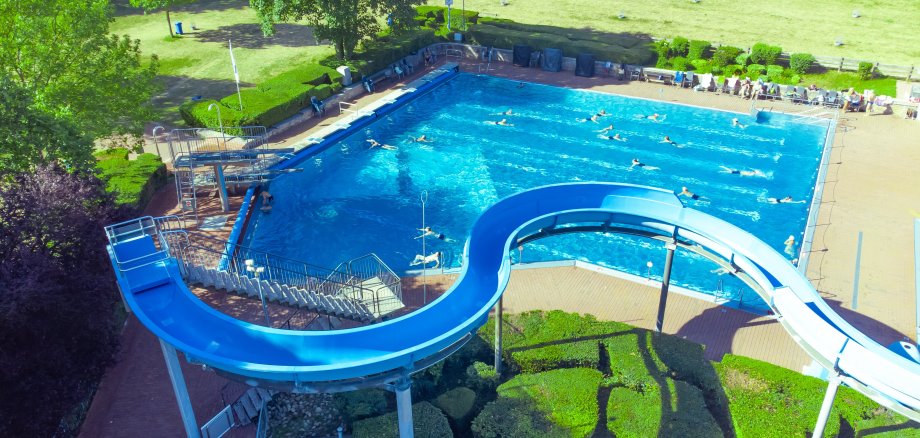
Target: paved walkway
<point>870,188</point>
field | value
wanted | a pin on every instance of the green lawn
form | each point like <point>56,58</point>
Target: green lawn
<point>199,64</point>
<point>885,31</point>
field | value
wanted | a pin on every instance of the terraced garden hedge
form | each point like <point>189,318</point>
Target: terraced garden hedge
<point>132,181</point>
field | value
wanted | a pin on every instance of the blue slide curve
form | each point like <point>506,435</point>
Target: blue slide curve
<point>156,293</point>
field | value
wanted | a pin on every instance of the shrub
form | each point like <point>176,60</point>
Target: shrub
<point>743,59</point>
<point>765,54</point>
<point>639,413</point>
<point>698,49</point>
<point>133,182</point>
<point>512,417</point>
<point>662,48</point>
<point>795,79</point>
<point>679,47</point>
<point>725,55</point>
<point>732,70</point>
<point>482,377</point>
<point>755,70</point>
<point>679,63</point>
<point>428,422</point>
<point>459,404</point>
<point>801,62</point>
<point>701,66</point>
<point>775,73</point>
<point>567,397</point>
<point>864,72</point>
<point>355,405</point>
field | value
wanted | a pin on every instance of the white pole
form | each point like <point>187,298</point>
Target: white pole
<point>424,199</point>
<point>236,74</point>
<point>179,388</point>
<point>833,382</point>
<point>404,408</point>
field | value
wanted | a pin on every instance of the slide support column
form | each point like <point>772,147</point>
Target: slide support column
<point>665,283</point>
<point>402,388</point>
<point>178,384</point>
<point>222,188</point>
<point>833,382</point>
<point>498,336</point>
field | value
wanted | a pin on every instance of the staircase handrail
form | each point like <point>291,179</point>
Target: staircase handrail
<point>387,275</point>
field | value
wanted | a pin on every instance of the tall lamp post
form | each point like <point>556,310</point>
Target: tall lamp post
<point>220,122</point>
<point>256,270</point>
<point>156,143</point>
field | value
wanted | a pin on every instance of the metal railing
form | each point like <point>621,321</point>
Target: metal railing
<point>133,229</point>
<point>370,266</point>
<point>263,426</point>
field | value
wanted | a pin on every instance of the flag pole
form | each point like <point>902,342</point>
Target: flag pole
<point>236,74</point>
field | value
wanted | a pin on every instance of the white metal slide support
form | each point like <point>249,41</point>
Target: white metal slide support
<point>178,384</point>
<point>404,407</point>
<point>833,382</point>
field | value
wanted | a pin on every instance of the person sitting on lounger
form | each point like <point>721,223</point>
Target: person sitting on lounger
<point>375,143</point>
<point>604,131</point>
<point>424,260</point>
<point>668,141</point>
<point>616,137</point>
<point>688,193</point>
<point>422,139</point>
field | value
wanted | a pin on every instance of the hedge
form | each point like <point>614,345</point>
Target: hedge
<point>428,422</point>
<point>725,55</point>
<point>676,409</point>
<point>378,54</point>
<point>356,405</point>
<point>801,62</point>
<point>435,17</point>
<point>514,417</point>
<point>567,397</point>
<point>504,34</point>
<point>459,404</point>
<point>481,377</point>
<point>132,181</point>
<point>680,46</point>
<point>765,54</point>
<point>698,49</point>
<point>268,104</point>
<point>759,393</point>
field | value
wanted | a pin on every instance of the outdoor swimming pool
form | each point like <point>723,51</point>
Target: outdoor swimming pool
<point>351,200</point>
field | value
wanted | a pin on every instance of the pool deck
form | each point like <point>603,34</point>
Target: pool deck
<point>870,188</point>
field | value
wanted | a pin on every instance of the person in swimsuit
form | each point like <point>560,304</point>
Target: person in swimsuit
<point>605,130</point>
<point>616,137</point>
<point>375,143</point>
<point>668,141</point>
<point>422,139</point>
<point>688,193</point>
<point>424,260</point>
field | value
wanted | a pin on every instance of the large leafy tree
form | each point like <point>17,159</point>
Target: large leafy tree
<point>30,136</point>
<point>61,51</point>
<point>57,296</point>
<point>166,5</point>
<point>344,22</point>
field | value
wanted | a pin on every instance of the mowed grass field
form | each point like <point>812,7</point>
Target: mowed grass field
<point>886,31</point>
<point>198,63</point>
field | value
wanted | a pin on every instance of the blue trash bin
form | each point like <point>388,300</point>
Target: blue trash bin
<point>178,28</point>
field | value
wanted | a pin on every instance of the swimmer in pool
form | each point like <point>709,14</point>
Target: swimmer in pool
<point>375,143</point>
<point>506,113</point>
<point>602,113</point>
<point>790,245</point>
<point>616,137</point>
<point>755,172</point>
<point>424,260</point>
<point>422,139</point>
<point>267,200</point>
<point>641,165</point>
<point>688,193</point>
<point>786,200</point>
<point>502,122</point>
<point>605,130</point>
<point>427,231</point>
<point>668,141</point>
<point>655,117</point>
<point>520,85</point>
<point>736,124</point>
<point>592,119</point>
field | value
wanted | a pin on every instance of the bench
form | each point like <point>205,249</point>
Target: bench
<point>371,81</point>
<point>664,78</point>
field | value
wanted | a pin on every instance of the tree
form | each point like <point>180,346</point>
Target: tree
<point>30,137</point>
<point>57,296</point>
<point>61,52</point>
<point>344,22</point>
<point>152,5</point>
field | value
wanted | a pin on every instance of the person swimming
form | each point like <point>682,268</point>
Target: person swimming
<point>502,122</point>
<point>506,113</point>
<point>668,141</point>
<point>427,231</point>
<point>421,259</point>
<point>422,139</point>
<point>790,245</point>
<point>602,113</point>
<point>605,130</point>
<point>591,119</point>
<point>375,143</point>
<point>736,124</point>
<point>688,193</point>
<point>520,85</point>
<point>786,200</point>
<point>641,165</point>
<point>616,137</point>
<point>655,117</point>
<point>267,200</point>
<point>755,172</point>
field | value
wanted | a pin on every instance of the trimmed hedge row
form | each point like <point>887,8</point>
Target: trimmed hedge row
<point>759,393</point>
<point>676,409</point>
<point>132,181</point>
<point>428,422</point>
<point>270,102</point>
<point>515,417</point>
<point>459,404</point>
<point>505,34</point>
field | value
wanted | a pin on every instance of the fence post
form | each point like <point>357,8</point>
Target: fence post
<point>840,67</point>
<point>910,73</point>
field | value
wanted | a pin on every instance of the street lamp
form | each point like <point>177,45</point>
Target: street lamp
<point>648,274</point>
<point>220,122</point>
<point>155,142</point>
<point>256,270</point>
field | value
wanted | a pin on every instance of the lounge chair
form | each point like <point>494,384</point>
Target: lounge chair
<point>688,79</point>
<point>773,92</point>
<point>801,95</point>
<point>621,72</point>
<point>705,82</point>
<point>731,85</point>
<point>790,92</point>
<point>678,78</point>
<point>831,100</point>
<point>407,67</point>
<point>319,108</point>
<point>635,73</point>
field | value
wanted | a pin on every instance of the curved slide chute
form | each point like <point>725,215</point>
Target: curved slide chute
<point>154,290</point>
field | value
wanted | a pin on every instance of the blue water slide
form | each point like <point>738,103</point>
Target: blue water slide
<point>154,290</point>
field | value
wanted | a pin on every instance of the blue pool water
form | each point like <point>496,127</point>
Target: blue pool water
<point>351,200</point>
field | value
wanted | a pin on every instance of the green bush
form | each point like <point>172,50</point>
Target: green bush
<point>679,63</point>
<point>675,409</point>
<point>864,71</point>
<point>662,49</point>
<point>801,62</point>
<point>356,405</point>
<point>680,46</point>
<point>567,397</point>
<point>698,49</point>
<point>743,59</point>
<point>387,48</point>
<point>755,70</point>
<point>517,418</point>
<point>701,66</point>
<point>765,54</point>
<point>459,404</point>
<point>482,377</point>
<point>775,73</point>
<point>428,422</point>
<point>132,181</point>
<point>505,34</point>
<point>725,55</point>
<point>439,13</point>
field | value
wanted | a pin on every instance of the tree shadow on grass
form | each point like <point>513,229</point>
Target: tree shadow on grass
<point>123,8</point>
<point>180,89</point>
<point>249,35</point>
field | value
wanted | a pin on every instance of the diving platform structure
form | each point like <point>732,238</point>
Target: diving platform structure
<point>204,159</point>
